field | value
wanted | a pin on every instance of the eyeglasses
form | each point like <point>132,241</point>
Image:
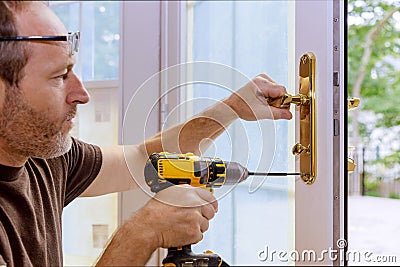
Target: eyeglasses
<point>72,38</point>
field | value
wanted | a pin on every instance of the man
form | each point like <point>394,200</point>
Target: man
<point>42,168</point>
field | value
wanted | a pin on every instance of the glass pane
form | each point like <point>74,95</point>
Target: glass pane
<point>100,40</point>
<point>98,120</point>
<point>373,133</point>
<point>252,37</point>
<point>98,22</point>
<point>88,223</point>
<point>68,13</point>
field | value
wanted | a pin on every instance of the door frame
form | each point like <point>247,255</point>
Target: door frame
<point>323,201</point>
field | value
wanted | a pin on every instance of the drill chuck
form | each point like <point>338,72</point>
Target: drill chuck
<point>235,173</point>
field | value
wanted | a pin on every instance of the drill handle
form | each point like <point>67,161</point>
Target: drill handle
<point>156,183</point>
<point>152,179</point>
<point>183,256</point>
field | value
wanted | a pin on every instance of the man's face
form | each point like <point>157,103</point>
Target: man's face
<point>35,118</point>
<point>29,132</point>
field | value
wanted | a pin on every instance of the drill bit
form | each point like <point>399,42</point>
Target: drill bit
<point>236,173</point>
<point>273,173</point>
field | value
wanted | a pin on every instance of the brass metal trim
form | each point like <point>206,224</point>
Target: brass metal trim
<point>353,102</point>
<point>287,99</point>
<point>351,166</point>
<point>308,161</point>
<point>298,149</point>
<point>305,100</point>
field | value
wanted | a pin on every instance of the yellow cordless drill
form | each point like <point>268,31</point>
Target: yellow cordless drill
<point>166,169</point>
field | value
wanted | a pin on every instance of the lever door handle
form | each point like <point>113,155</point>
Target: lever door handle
<point>353,102</point>
<point>305,148</point>
<point>350,165</point>
<point>287,99</point>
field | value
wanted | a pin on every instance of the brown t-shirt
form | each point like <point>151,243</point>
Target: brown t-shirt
<point>32,199</point>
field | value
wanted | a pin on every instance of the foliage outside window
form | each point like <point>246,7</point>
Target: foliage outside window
<point>373,76</point>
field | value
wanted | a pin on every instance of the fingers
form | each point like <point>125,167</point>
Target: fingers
<point>197,222</point>
<point>265,76</point>
<point>197,239</point>
<point>208,211</point>
<point>208,198</point>
<point>186,196</point>
<point>204,225</point>
<point>177,225</point>
<point>281,113</point>
<point>249,101</point>
<point>269,87</point>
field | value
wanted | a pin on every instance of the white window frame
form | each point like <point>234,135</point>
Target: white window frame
<point>139,60</point>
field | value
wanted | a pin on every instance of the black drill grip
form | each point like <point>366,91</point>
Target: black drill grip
<point>184,256</point>
<point>153,180</point>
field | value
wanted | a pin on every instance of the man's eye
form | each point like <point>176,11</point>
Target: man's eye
<point>62,77</point>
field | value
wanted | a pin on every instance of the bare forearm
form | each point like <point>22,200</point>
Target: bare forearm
<point>196,134</point>
<point>247,103</point>
<point>132,245</point>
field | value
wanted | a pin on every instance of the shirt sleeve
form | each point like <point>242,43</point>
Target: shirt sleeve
<point>84,163</point>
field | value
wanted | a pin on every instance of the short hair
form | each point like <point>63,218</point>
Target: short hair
<point>13,55</point>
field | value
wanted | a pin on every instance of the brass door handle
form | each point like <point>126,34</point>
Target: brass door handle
<point>287,99</point>
<point>350,165</point>
<point>308,161</point>
<point>353,102</point>
<point>305,149</point>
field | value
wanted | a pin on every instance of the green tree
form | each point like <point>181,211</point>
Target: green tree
<point>373,46</point>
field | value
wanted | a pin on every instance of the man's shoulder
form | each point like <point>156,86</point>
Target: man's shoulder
<point>81,145</point>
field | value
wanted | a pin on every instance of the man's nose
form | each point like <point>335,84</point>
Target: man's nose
<point>77,92</point>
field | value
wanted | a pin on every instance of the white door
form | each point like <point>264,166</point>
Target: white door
<point>258,219</point>
<point>275,220</point>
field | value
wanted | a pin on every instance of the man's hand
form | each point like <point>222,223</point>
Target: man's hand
<point>179,215</point>
<point>176,216</point>
<point>249,101</point>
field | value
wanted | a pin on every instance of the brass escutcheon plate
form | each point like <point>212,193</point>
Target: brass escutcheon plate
<point>307,118</point>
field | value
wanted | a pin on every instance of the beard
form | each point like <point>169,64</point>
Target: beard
<point>30,133</point>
